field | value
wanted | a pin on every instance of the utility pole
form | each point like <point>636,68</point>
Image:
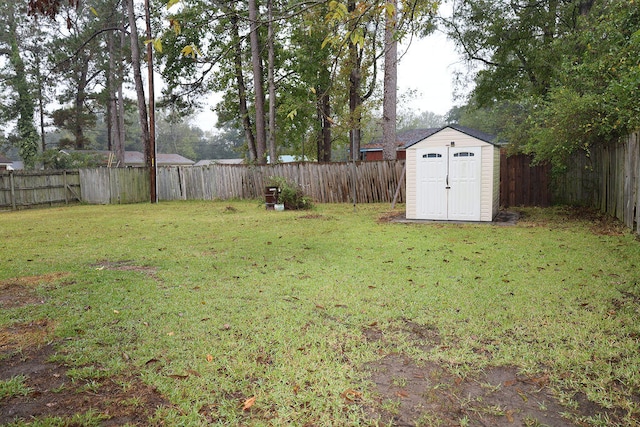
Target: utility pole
<point>151,161</point>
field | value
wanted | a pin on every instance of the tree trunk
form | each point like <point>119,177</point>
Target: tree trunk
<point>389,147</point>
<point>114,107</point>
<point>78,108</point>
<point>151,160</point>
<point>355,100</point>
<point>273,156</point>
<point>25,106</point>
<point>323,108</point>
<point>111,102</point>
<point>41,110</point>
<point>242,90</point>
<point>256,62</point>
<point>137,77</point>
<point>120,140</point>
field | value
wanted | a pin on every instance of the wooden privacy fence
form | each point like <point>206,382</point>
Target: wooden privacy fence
<point>606,178</point>
<point>323,182</point>
<point>114,185</point>
<point>20,189</point>
<point>524,184</point>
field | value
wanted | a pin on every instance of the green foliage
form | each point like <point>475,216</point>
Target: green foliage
<point>291,194</point>
<point>224,144</point>
<point>22,105</point>
<point>59,159</point>
<point>70,120</point>
<point>574,87</point>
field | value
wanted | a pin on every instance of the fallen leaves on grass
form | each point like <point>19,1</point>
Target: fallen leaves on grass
<point>351,395</point>
<point>248,403</point>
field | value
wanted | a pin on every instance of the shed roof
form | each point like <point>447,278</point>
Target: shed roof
<point>4,160</point>
<point>482,136</point>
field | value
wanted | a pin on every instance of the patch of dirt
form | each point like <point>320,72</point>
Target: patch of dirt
<point>502,218</point>
<point>429,394</point>
<point>25,349</point>
<point>24,335</point>
<point>126,266</point>
<point>119,400</point>
<point>21,291</point>
<point>391,216</point>
<point>314,216</point>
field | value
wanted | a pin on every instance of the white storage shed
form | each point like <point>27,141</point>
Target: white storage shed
<point>453,174</point>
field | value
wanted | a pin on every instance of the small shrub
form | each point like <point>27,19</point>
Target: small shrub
<point>291,194</point>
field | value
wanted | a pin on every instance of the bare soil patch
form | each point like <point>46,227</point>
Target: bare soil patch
<point>429,394</point>
<point>126,266</point>
<point>23,335</point>
<point>118,400</point>
<point>25,349</point>
<point>20,291</point>
<point>502,218</point>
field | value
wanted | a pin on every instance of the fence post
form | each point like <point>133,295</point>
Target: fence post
<point>13,191</point>
<point>64,190</point>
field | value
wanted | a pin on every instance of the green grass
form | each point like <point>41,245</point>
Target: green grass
<point>214,303</point>
<point>14,386</point>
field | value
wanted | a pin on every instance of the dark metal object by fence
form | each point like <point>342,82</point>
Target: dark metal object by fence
<point>271,197</point>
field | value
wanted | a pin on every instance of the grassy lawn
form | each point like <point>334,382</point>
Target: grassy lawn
<point>240,316</point>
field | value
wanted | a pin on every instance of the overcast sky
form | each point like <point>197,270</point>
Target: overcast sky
<point>428,67</point>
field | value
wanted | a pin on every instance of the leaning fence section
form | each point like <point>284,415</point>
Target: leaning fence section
<point>28,189</point>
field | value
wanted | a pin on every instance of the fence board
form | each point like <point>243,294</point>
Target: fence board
<point>26,189</point>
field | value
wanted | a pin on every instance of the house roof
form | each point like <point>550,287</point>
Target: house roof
<point>136,158</point>
<point>162,159</point>
<point>403,139</point>
<point>491,139</point>
<point>173,159</point>
<point>5,161</point>
<point>219,162</point>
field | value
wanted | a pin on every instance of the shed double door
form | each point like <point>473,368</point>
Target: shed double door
<point>449,183</point>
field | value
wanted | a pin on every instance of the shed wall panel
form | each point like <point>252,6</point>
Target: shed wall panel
<point>411,179</point>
